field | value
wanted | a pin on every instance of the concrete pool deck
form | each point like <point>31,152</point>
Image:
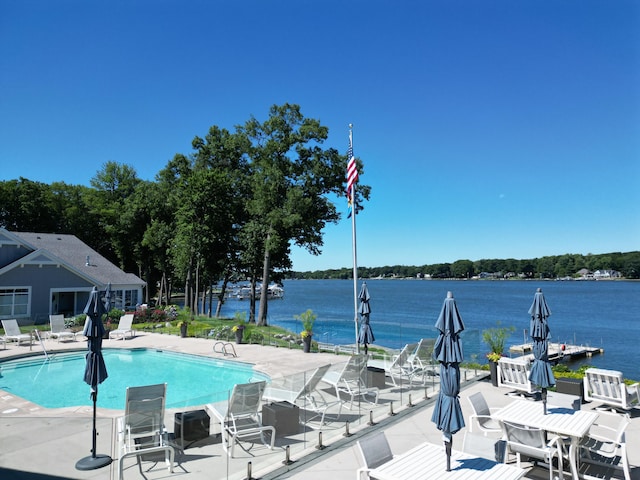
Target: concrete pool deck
<point>40,443</point>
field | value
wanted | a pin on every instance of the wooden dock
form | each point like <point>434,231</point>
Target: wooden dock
<point>558,352</point>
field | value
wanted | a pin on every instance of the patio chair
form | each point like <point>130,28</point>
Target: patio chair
<point>301,389</point>
<point>482,415</point>
<point>375,451</point>
<point>608,387</point>
<point>141,431</point>
<point>124,327</point>
<point>605,444</point>
<point>348,380</point>
<point>483,447</point>
<point>239,417</point>
<point>514,373</point>
<point>12,332</point>
<point>532,443</point>
<point>58,329</point>
<point>422,357</point>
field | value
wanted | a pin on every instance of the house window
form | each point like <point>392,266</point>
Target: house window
<point>14,302</point>
<point>131,299</point>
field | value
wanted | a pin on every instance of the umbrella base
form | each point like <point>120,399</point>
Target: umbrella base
<point>92,463</point>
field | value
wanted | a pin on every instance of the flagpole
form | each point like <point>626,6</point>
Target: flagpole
<point>354,247</point>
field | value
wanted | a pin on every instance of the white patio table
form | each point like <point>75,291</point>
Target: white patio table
<point>428,461</point>
<point>565,422</point>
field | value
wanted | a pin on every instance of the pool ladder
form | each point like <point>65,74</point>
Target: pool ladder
<point>221,347</point>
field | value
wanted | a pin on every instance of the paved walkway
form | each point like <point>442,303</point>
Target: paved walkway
<point>39,444</point>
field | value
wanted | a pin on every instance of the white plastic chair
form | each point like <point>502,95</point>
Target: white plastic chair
<point>375,451</point>
<point>608,387</point>
<point>124,327</point>
<point>605,443</point>
<point>12,332</point>
<point>58,329</point>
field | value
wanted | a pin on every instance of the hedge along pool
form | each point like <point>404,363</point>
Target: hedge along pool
<point>58,382</point>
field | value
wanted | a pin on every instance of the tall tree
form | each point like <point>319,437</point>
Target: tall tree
<point>291,178</point>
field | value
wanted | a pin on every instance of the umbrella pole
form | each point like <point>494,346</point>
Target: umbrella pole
<point>544,400</point>
<point>447,447</point>
<point>94,461</point>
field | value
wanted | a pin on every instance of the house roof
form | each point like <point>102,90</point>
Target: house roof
<point>77,255</point>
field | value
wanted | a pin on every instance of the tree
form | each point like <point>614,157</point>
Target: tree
<point>291,176</point>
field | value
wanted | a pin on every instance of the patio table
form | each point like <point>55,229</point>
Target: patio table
<point>428,461</point>
<point>565,422</point>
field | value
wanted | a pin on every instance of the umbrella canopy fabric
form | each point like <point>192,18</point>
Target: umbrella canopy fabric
<point>95,369</point>
<point>541,373</point>
<point>447,413</point>
<point>365,335</point>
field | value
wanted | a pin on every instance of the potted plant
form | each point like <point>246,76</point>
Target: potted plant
<point>238,328</point>
<point>307,318</point>
<point>495,338</point>
<point>182,325</point>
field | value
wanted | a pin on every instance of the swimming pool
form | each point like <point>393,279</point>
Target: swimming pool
<point>58,382</point>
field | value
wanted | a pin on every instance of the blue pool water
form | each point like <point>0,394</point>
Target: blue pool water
<point>191,380</point>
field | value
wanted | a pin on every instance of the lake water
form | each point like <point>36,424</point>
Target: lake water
<point>602,314</point>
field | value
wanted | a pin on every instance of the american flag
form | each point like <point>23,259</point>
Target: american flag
<point>352,170</point>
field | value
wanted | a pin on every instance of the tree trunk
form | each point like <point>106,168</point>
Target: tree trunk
<point>262,312</point>
<point>252,300</point>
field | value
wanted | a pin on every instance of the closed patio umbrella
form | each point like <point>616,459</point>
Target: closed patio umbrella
<point>365,335</point>
<point>541,373</point>
<point>95,371</point>
<point>447,413</point>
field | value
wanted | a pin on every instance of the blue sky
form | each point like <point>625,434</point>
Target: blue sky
<point>488,129</point>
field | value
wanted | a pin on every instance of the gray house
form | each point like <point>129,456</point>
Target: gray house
<point>48,273</point>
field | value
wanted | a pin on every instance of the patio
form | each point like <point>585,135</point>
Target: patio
<point>39,443</point>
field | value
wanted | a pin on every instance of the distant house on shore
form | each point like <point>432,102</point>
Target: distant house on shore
<point>47,273</point>
<point>606,274</point>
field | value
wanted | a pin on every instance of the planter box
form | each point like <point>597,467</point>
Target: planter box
<point>375,377</point>
<point>572,386</point>
<point>190,427</point>
<point>283,416</point>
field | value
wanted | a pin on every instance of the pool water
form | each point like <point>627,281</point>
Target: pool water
<point>58,382</point>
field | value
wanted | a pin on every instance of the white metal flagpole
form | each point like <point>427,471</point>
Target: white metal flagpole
<point>352,176</point>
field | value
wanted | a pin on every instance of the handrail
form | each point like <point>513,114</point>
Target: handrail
<point>221,347</point>
<point>37,334</point>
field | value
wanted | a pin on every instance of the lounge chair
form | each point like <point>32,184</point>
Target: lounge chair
<point>605,445</point>
<point>375,451</point>
<point>405,366</point>
<point>124,327</point>
<point>422,357</point>
<point>301,388</point>
<point>608,387</point>
<point>482,415</point>
<point>58,329</point>
<point>514,373</point>
<point>12,332</point>
<point>239,417</point>
<point>348,380</point>
<point>141,431</point>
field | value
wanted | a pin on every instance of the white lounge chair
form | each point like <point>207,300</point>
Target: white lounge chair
<point>12,332</point>
<point>239,417</point>
<point>58,329</point>
<point>608,387</point>
<point>124,327</point>
<point>375,451</point>
<point>301,388</point>
<point>141,431</point>
<point>605,443</point>
<point>401,366</point>
<point>347,380</point>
